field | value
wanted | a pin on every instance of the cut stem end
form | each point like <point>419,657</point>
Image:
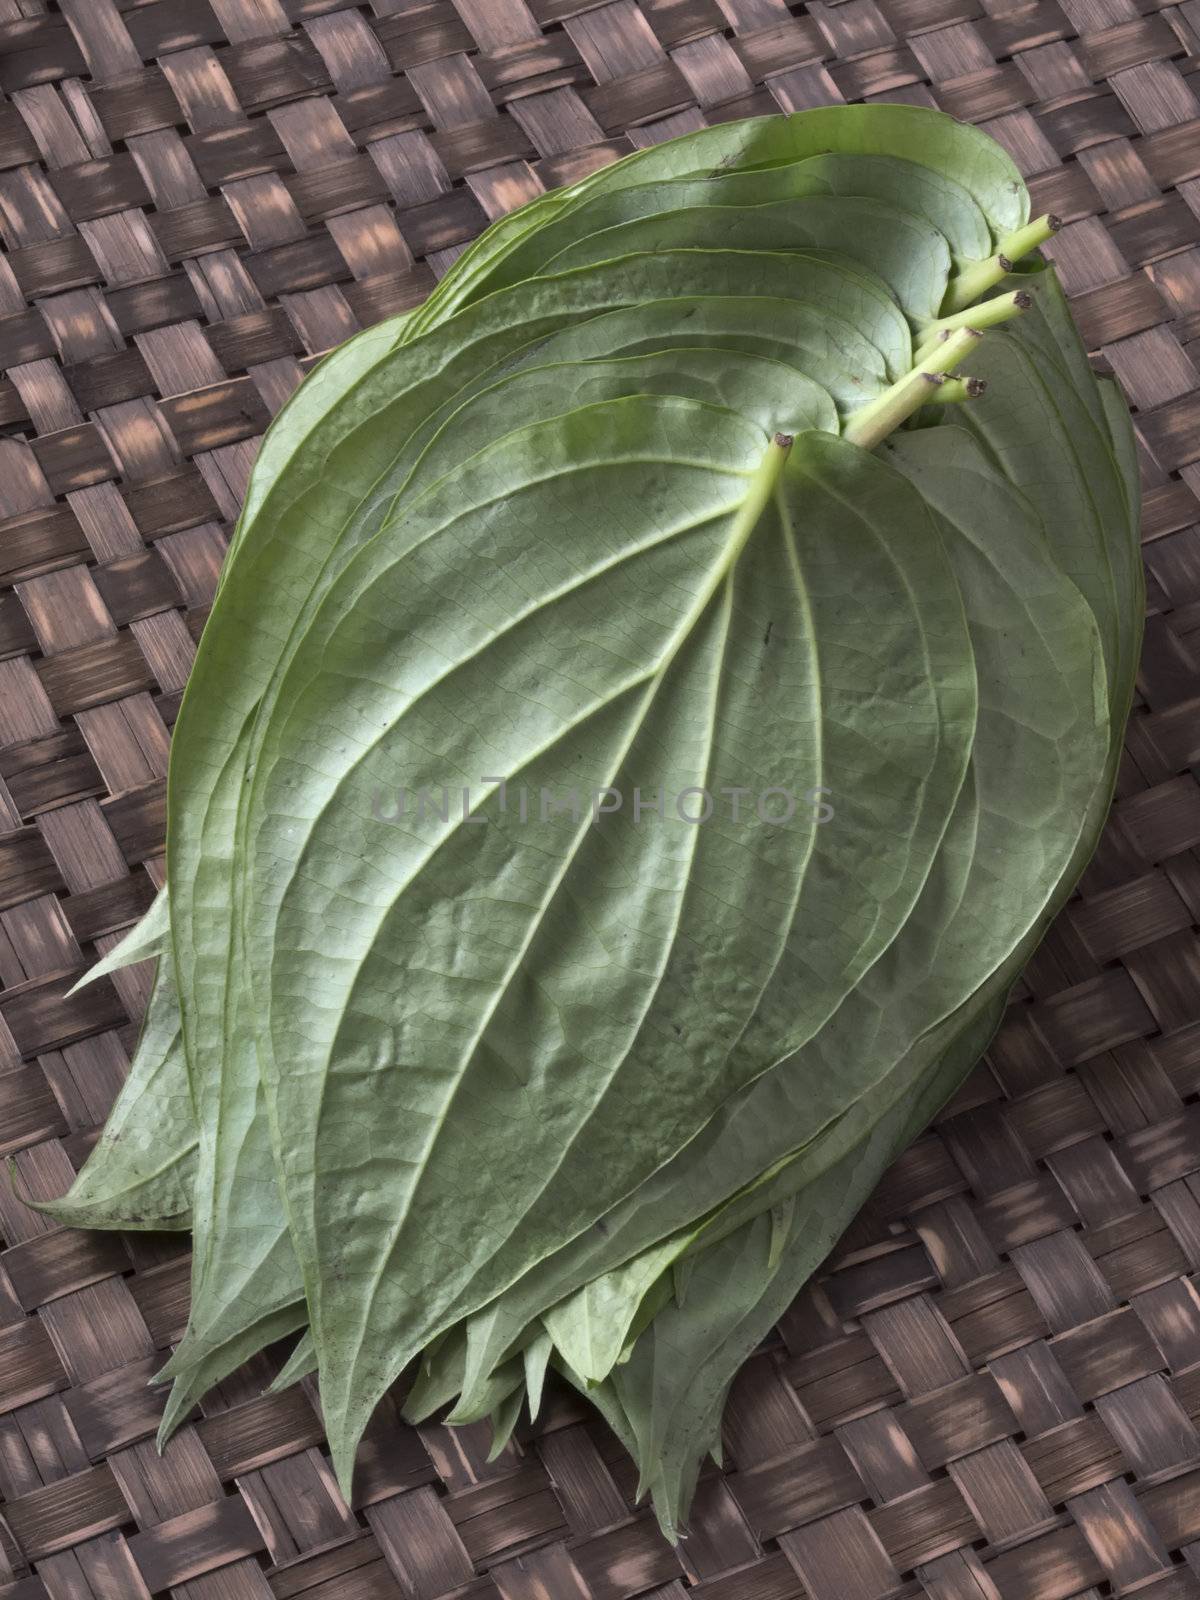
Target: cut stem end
<point>957,391</point>
<point>926,381</point>
<point>1003,308</point>
<point>977,277</point>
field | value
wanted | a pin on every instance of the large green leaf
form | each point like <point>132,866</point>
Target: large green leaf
<point>223,1298</point>
<point>653,685</point>
<point>274,554</point>
<point>1050,442</point>
<point>1014,831</point>
<point>494,1087</point>
<point>667,1406</point>
<point>938,144</point>
<point>907,253</point>
<point>814,204</point>
<point>1125,542</point>
<point>950,480</point>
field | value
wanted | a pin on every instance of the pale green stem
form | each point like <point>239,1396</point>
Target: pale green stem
<point>1021,241</point>
<point>953,391</point>
<point>762,487</point>
<point>977,277</point>
<point>988,315</point>
<point>883,416</point>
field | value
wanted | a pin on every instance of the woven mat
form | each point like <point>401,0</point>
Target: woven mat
<point>993,1392</point>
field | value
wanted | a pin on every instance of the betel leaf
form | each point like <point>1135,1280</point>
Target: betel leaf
<point>909,255</point>
<point>684,1376</point>
<point>1058,446</point>
<point>689,318</point>
<point>810,277</point>
<point>935,143</point>
<point>912,197</point>
<point>505,1416</point>
<point>146,940</point>
<point>140,1174</point>
<point>672,1391</point>
<point>722,321</point>
<point>495,1083</point>
<point>591,1328</point>
<point>1014,830</point>
<point>537,1362</point>
<point>215,1308</point>
<point>163,1121</point>
<point>709,527</point>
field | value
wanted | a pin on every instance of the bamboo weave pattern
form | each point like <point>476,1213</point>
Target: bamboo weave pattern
<point>993,1390</point>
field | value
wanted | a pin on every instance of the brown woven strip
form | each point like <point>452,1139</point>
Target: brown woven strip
<point>993,1390</point>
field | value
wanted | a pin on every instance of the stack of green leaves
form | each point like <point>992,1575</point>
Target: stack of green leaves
<point>673,485</point>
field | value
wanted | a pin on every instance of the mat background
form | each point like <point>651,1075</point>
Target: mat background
<point>993,1391</point>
